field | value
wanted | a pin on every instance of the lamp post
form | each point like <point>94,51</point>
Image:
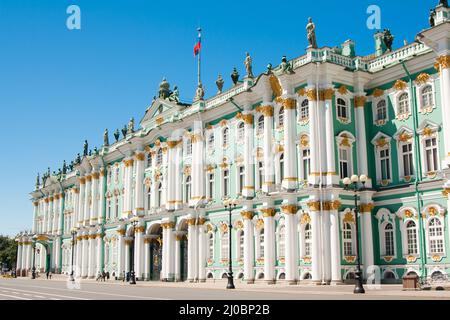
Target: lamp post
<point>352,184</point>
<point>33,269</point>
<point>73,232</point>
<point>134,221</point>
<point>230,205</point>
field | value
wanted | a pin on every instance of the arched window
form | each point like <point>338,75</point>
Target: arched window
<point>241,244</point>
<point>427,97</point>
<point>389,240</point>
<point>435,234</point>
<point>347,239</point>
<point>281,242</point>
<point>403,103</point>
<point>281,117</point>
<point>261,244</point>
<point>308,240</point>
<point>225,137</point>
<point>381,110</point>
<point>159,195</point>
<point>260,125</point>
<point>211,141</point>
<point>281,167</point>
<point>189,147</point>
<point>187,192</point>
<point>159,157</point>
<point>342,109</point>
<point>411,237</point>
<point>224,246</point>
<point>210,246</point>
<point>304,110</point>
<point>240,131</point>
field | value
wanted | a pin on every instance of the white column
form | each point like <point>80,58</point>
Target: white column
<point>316,263</point>
<point>56,213</point>
<point>138,251</point>
<point>57,253</point>
<point>87,206</point>
<point>50,215</point>
<point>139,184</point>
<point>290,180</point>
<point>168,251</point>
<point>99,247</point>
<point>269,244</point>
<point>249,163</point>
<point>361,139</point>
<point>81,201</point>
<point>198,172</point>
<point>94,193</point>
<point>267,111</point>
<point>85,256</point>
<point>91,255</point>
<point>127,207</point>
<point>332,175</point>
<point>178,239</point>
<point>366,243</point>
<point>102,200</point>
<point>192,258</point>
<point>313,135</point>
<point>179,175</point>
<point>120,252</point>
<point>335,243</point>
<point>249,256</point>
<point>28,255</point>
<point>444,65</point>
<point>19,257</point>
<point>202,250</point>
<point>78,255</point>
<point>326,244</point>
<point>171,175</point>
<point>291,241</point>
<point>147,257</point>
<point>128,244</point>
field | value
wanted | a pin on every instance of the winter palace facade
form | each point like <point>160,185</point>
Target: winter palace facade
<point>281,144</point>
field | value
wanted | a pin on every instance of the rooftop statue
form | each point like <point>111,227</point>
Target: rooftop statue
<point>71,165</point>
<point>106,138</point>
<point>432,17</point>
<point>124,130</point>
<point>64,168</point>
<point>443,3</point>
<point>199,93</point>
<point>85,148</point>
<point>130,128</point>
<point>78,159</point>
<point>219,84</point>
<point>90,152</point>
<point>285,66</point>
<point>95,151</point>
<point>388,39</point>
<point>235,76</point>
<point>174,95</point>
<point>311,34</point>
<point>117,135</point>
<point>164,89</point>
<point>37,181</point>
<point>248,65</point>
<point>269,68</point>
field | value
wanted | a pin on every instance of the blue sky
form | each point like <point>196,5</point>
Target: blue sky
<point>59,86</point>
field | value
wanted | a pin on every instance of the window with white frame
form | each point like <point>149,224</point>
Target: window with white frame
<point>308,240</point>
<point>224,246</point>
<point>381,111</point>
<point>411,237</point>
<point>211,185</point>
<point>389,240</point>
<point>306,163</point>
<point>406,150</point>
<point>108,208</point>
<point>427,98</point>
<point>225,137</point>
<point>281,167</point>
<point>260,129</point>
<point>226,183</point>
<point>241,173</point>
<point>211,141</point>
<point>260,174</point>
<point>261,244</point>
<point>304,110</point>
<point>431,154</point>
<point>435,236</point>
<point>116,206</point>
<point>403,103</point>
<point>159,194</point>
<point>347,239</point>
<point>188,147</point>
<point>159,157</point>
<point>149,161</point>
<point>240,131</point>
<point>342,109</point>
<point>187,192</point>
<point>241,244</point>
<point>281,117</point>
<point>210,245</point>
<point>281,242</point>
<point>149,199</point>
<point>344,162</point>
<point>385,163</point>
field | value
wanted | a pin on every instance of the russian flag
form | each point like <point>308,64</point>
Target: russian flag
<point>198,45</point>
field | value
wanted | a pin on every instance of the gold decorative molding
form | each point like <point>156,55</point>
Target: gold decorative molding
<point>140,156</point>
<point>247,118</point>
<point>82,180</point>
<point>268,212</point>
<point>267,111</point>
<point>289,208</point>
<point>157,142</point>
<point>436,258</point>
<point>304,140</point>
<point>95,175</point>
<point>411,259</point>
<point>159,120</point>
<point>446,192</point>
<point>275,85</point>
<point>289,104</point>
<point>422,78</point>
<point>301,92</point>
<point>223,123</point>
<point>381,142</point>
<point>328,94</point>
<point>313,205</point>
<point>259,224</point>
<point>239,225</point>
<point>139,229</point>
<point>360,101</point>
<point>350,259</point>
<point>428,132</point>
<point>128,162</point>
<point>366,207</point>
<point>168,225</point>
<point>349,217</point>
<point>88,178</point>
<point>404,137</point>
<point>378,93</point>
<point>191,221</point>
<point>305,218</point>
<point>343,90</point>
<point>311,94</point>
<point>400,85</point>
<point>121,232</point>
<point>247,214</point>
<point>443,62</point>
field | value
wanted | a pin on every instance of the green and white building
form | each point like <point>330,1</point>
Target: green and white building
<point>281,144</point>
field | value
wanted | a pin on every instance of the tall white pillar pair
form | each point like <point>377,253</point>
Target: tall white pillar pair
<point>289,209</point>
<point>269,243</point>
<point>168,263</point>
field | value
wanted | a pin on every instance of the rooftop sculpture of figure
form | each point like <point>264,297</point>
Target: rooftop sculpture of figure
<point>285,65</point>
<point>269,68</point>
<point>199,93</point>
<point>78,159</point>
<point>64,168</point>
<point>174,95</point>
<point>117,135</point>
<point>164,89</point>
<point>443,3</point>
<point>388,39</point>
<point>432,17</point>
<point>219,83</point>
<point>124,130</point>
<point>311,34</point>
<point>248,65</point>
<point>37,181</point>
<point>85,148</point>
<point>130,128</point>
<point>106,138</point>
<point>71,165</point>
<point>235,76</point>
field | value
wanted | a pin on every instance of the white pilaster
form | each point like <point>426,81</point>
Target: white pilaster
<point>269,243</point>
<point>139,183</point>
<point>267,110</point>
<point>289,209</point>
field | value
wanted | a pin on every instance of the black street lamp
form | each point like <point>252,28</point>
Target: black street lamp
<point>134,221</point>
<point>352,184</point>
<point>33,270</point>
<point>230,205</point>
<point>73,232</point>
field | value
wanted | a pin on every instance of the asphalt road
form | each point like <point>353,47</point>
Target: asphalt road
<point>26,289</point>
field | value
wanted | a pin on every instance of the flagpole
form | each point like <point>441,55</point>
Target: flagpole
<point>199,54</point>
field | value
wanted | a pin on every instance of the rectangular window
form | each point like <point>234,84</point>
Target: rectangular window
<point>210,185</point>
<point>226,180</point>
<point>344,165</point>
<point>407,156</point>
<point>431,155</point>
<point>260,175</point>
<point>241,179</point>
<point>385,164</point>
<point>306,162</point>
